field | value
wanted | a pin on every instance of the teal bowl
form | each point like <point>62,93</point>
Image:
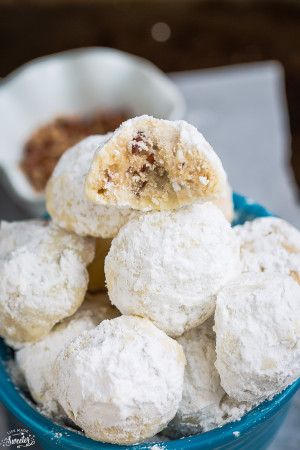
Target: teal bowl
<point>255,430</point>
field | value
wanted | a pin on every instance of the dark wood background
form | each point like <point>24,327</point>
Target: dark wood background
<point>203,34</point>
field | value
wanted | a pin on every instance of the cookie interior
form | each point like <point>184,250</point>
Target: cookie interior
<point>150,166</point>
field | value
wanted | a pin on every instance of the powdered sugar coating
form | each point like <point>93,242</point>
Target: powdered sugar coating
<point>154,164</point>
<point>65,200</point>
<point>199,348</point>
<point>204,405</point>
<point>36,359</point>
<point>257,324</point>
<point>225,203</point>
<point>43,277</point>
<point>270,244</point>
<point>121,382</point>
<point>168,266</point>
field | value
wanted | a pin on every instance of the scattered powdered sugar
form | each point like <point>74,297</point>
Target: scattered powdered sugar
<point>159,438</point>
<point>270,244</point>
<point>204,405</point>
<point>175,288</point>
<point>42,268</point>
<point>121,382</point>
<point>36,359</point>
<point>257,324</point>
<point>65,200</point>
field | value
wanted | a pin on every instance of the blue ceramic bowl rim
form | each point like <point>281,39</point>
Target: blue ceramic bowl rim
<point>15,401</point>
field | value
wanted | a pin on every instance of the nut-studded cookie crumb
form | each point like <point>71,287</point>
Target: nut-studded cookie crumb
<point>152,164</point>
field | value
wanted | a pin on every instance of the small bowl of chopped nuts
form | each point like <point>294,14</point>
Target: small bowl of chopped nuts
<point>53,102</point>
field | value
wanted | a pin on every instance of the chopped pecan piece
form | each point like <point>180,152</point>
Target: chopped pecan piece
<point>136,148</point>
<point>107,175</point>
<point>151,158</point>
<point>145,168</point>
<point>141,186</point>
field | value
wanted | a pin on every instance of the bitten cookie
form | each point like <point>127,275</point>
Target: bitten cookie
<point>121,382</point>
<point>168,266</point>
<point>65,200</point>
<point>204,405</point>
<point>43,277</point>
<point>152,164</point>
<point>36,359</point>
<point>270,244</point>
<point>257,324</point>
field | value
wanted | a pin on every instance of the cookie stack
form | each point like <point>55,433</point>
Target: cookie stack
<point>201,321</point>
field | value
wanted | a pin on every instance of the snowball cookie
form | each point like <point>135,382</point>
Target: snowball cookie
<point>36,359</point>
<point>168,266</point>
<point>257,323</point>
<point>96,268</point>
<point>225,203</point>
<point>204,405</point>
<point>43,277</point>
<point>121,382</point>
<point>154,164</point>
<point>66,203</point>
<point>270,244</point>
<point>202,392</point>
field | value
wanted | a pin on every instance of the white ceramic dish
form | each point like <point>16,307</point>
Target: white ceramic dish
<point>78,81</point>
